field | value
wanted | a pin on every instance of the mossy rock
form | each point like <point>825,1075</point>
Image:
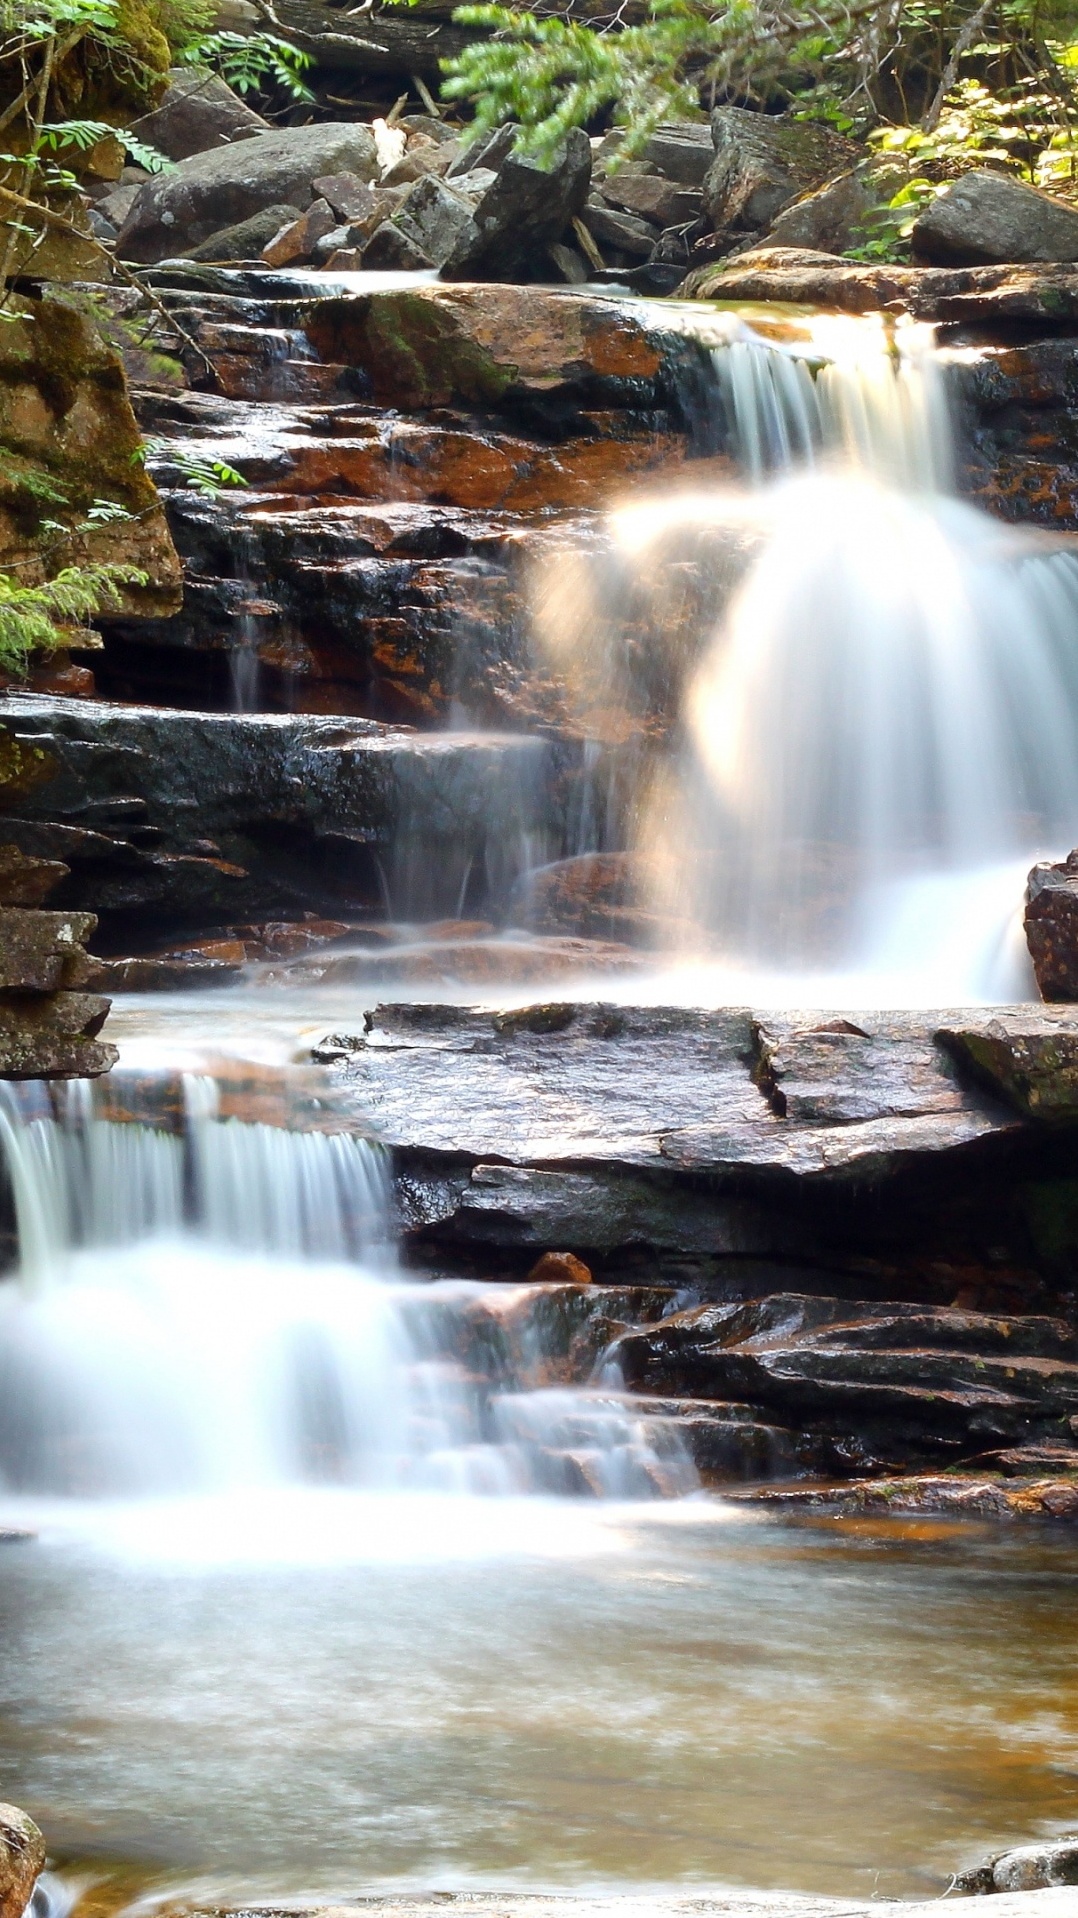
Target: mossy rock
<point>68,440</point>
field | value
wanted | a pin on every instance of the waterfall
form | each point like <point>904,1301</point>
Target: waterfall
<point>221,1310</point>
<point>875,689</point>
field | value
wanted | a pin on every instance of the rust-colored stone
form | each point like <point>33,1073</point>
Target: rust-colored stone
<point>559,1266</point>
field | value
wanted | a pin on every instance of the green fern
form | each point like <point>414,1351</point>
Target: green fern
<point>38,619</point>
<point>249,60</point>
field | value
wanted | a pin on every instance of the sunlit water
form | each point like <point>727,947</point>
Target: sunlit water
<point>349,1693</point>
<point>875,732</point>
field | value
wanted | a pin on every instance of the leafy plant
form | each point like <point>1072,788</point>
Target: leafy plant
<point>251,61</point>
<point>58,612</point>
<point>202,474</point>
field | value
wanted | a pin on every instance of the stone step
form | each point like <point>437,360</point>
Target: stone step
<point>171,818</point>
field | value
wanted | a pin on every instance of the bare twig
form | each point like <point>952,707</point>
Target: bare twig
<point>963,41</point>
<point>46,214</point>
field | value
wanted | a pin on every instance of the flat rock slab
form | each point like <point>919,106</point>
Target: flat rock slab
<point>1044,296</point>
<point>661,1088</point>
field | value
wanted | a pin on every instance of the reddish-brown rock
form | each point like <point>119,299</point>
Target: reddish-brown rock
<point>559,1266</point>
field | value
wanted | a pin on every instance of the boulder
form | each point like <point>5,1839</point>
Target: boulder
<point>762,163</point>
<point>22,1859</point>
<point>626,232</point>
<point>248,238</point>
<point>220,188</point>
<point>1051,921</point>
<point>525,208</point>
<point>682,150</point>
<point>661,201</point>
<point>349,196</point>
<point>985,219</point>
<point>424,230</point>
<point>830,220</point>
<point>198,112</point>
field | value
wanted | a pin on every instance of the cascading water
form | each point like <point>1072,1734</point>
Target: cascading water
<point>880,735</point>
<point>220,1310</point>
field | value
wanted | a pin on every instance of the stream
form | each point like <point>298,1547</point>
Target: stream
<point>331,1572</point>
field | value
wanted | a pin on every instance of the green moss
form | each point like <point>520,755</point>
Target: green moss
<point>417,349</point>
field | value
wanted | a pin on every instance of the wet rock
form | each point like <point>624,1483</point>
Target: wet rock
<point>657,1088</point>
<point>43,951</point>
<point>22,1859</point>
<point>518,216</point>
<point>1028,1059</point>
<point>563,1266</point>
<point>248,239</point>
<point>599,895</point>
<point>189,818</point>
<point>25,881</point>
<point>53,1036</point>
<point>218,189</point>
<point>433,345</point>
<point>987,218</point>
<point>206,962</point>
<point>830,220</point>
<point>1051,922</point>
<point>961,1495</point>
<point>509,960</point>
<point>761,163</point>
<point>198,112</point>
<point>1036,1867</point>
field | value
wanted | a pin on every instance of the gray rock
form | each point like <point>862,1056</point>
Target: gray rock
<point>518,216</point>
<point>1046,1866</point>
<point>762,163</point>
<point>831,220</point>
<point>246,240</point>
<point>625,231</point>
<point>651,197</point>
<point>117,205</point>
<point>489,152</point>
<point>683,150</point>
<point>987,219</point>
<point>22,1859</point>
<point>677,1092</point>
<point>349,196</point>
<point>429,224</point>
<point>1037,1867</point>
<point>198,113</point>
<point>1051,922</point>
<point>219,189</point>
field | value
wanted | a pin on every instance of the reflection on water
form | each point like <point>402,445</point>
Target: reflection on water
<point>354,1695</point>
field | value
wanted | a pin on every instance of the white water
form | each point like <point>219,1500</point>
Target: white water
<point>879,738</point>
<point>219,1314</point>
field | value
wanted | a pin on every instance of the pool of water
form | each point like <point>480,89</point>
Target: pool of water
<point>332,1692</point>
